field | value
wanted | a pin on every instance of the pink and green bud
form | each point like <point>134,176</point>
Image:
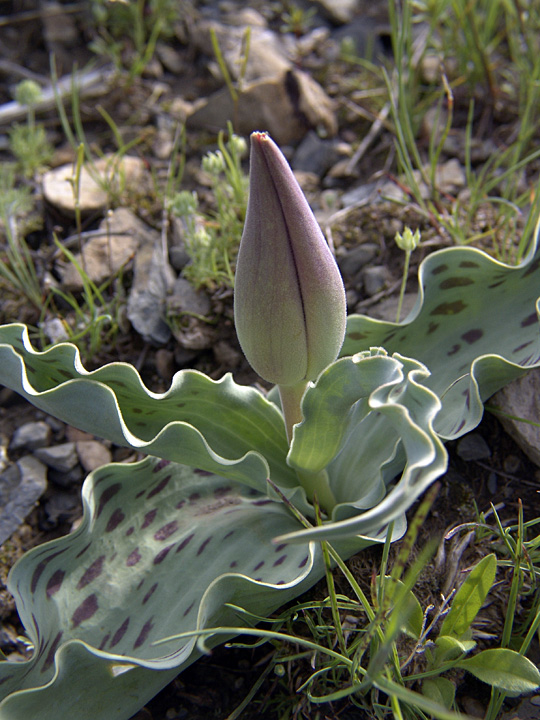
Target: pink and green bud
<point>289,307</point>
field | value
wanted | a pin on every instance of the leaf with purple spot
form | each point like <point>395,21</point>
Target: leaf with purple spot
<point>158,553</point>
<point>475,326</point>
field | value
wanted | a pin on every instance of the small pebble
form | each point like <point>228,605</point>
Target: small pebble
<point>473,447</point>
<point>92,454</point>
<point>31,436</point>
<point>375,279</point>
<point>58,457</point>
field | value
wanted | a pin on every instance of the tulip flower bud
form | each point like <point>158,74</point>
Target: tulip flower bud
<point>289,307</point>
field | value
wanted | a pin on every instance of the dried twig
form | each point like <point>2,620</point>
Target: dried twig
<point>87,83</point>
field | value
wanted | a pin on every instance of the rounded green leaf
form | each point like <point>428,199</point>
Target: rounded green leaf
<point>504,669</point>
<point>440,690</point>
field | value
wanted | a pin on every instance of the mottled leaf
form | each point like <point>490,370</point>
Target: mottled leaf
<point>162,549</point>
<point>475,325</point>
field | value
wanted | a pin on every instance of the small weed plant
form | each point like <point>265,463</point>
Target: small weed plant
<point>212,238</point>
<point>28,142</point>
<point>390,656</point>
<point>487,61</point>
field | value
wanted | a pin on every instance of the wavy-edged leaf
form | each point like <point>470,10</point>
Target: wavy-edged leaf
<point>367,418</point>
<point>198,421</point>
<point>474,325</point>
<point>161,550</point>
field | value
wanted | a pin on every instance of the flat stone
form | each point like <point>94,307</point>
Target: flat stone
<point>315,154</point>
<point>269,53</point>
<point>94,181</point>
<point>21,486</point>
<point>286,106</point>
<point>186,300</point>
<point>152,280</point>
<point>61,457</point>
<point>118,239</point>
<point>339,11</point>
<point>356,259</point>
<point>473,447</point>
<point>521,399</point>
<point>31,436</point>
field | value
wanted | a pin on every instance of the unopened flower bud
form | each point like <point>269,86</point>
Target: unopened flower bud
<point>290,308</point>
<point>408,241</point>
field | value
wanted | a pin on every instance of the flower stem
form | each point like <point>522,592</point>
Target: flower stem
<point>290,396</point>
<point>315,484</point>
<point>403,283</point>
<point>318,485</point>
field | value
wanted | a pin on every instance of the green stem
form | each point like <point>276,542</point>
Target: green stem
<point>290,396</point>
<point>317,485</point>
<point>403,283</point>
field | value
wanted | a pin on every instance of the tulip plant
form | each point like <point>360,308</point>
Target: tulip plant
<point>202,533</point>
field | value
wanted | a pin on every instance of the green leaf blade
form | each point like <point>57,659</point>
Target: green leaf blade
<point>198,421</point>
<point>470,597</point>
<point>504,669</point>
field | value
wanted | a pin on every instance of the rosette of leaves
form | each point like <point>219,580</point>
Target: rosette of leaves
<point>181,540</point>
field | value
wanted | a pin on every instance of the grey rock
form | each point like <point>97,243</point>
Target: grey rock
<point>31,436</point>
<point>473,447</point>
<point>152,280</point>
<point>61,457</point>
<point>521,399</point>
<point>375,279</point>
<point>178,257</point>
<point>186,300</point>
<point>386,309</point>
<point>71,478</point>
<point>21,486</point>
<point>54,330</point>
<point>315,155</point>
<point>355,260</point>
<point>286,105</point>
<point>61,507</point>
<point>361,195</point>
